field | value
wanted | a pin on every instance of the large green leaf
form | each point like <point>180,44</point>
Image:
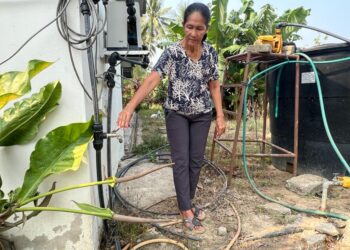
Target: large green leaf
<point>104,212</point>
<point>20,123</point>
<point>59,151</point>
<point>14,84</point>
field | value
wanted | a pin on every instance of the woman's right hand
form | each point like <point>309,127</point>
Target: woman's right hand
<point>124,118</point>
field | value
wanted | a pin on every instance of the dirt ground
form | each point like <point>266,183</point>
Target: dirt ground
<point>255,221</point>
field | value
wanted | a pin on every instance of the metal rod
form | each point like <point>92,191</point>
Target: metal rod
<point>288,155</point>
<point>296,117</point>
<point>223,146</point>
<point>212,153</point>
<point>261,141</point>
<point>270,155</point>
<point>109,146</point>
<point>238,120</point>
<point>278,147</point>
<point>264,116</point>
<point>229,112</point>
<point>254,55</point>
<point>234,85</point>
<point>96,108</point>
<point>239,140</point>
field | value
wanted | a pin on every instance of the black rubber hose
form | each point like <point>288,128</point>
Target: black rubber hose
<point>127,204</point>
<point>185,236</point>
<point>284,24</point>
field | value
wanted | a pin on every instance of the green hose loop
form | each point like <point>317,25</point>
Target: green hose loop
<point>323,113</point>
<point>244,157</point>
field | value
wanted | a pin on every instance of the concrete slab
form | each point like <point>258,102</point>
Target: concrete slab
<point>150,189</point>
<point>306,184</point>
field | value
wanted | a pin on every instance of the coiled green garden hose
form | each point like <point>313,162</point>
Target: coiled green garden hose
<point>324,118</point>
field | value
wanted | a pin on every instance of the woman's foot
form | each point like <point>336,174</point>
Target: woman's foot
<point>191,223</point>
<point>198,212</point>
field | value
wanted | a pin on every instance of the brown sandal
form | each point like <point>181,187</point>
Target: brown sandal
<point>192,224</point>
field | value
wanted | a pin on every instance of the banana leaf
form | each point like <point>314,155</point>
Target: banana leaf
<point>14,84</point>
<point>59,151</point>
<point>217,24</point>
<point>20,123</point>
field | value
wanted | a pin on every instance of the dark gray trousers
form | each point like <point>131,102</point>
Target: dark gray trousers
<point>187,135</point>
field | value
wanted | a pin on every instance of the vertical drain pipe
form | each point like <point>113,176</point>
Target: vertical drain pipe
<point>109,146</point>
<point>97,127</point>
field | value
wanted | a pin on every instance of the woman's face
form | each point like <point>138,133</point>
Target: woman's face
<point>195,29</point>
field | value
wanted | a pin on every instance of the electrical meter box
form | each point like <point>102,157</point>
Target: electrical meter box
<point>120,36</point>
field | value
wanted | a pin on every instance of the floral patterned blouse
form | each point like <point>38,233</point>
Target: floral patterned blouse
<point>188,90</point>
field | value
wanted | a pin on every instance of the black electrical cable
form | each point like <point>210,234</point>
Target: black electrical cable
<point>36,33</point>
<point>127,204</point>
<point>75,69</point>
<point>167,230</point>
<point>75,38</point>
<point>284,24</point>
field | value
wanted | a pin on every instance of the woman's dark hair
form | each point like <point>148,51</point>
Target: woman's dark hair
<point>202,9</point>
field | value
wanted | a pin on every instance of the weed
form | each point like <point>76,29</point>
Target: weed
<point>129,232</point>
<point>150,142</point>
<point>151,135</point>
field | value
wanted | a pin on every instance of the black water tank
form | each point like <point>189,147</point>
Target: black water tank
<point>316,155</point>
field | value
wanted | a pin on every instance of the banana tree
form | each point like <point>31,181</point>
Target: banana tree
<point>247,24</point>
<point>154,23</point>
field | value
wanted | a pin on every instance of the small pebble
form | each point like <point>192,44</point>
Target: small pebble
<point>222,231</point>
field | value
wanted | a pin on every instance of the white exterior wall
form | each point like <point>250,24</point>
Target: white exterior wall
<point>19,19</point>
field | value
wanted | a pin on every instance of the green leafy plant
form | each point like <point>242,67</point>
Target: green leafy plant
<point>61,150</point>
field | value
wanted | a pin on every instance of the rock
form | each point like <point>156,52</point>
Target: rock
<point>276,209</point>
<point>345,242</point>
<point>327,228</point>
<point>150,189</point>
<point>157,115</point>
<point>306,184</point>
<point>315,241</point>
<point>222,231</point>
<point>337,222</point>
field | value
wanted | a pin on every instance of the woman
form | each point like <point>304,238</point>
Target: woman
<point>191,66</point>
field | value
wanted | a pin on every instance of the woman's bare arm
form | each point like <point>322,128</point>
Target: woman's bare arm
<point>214,87</point>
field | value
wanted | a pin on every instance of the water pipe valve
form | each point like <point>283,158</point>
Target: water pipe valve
<point>114,134</point>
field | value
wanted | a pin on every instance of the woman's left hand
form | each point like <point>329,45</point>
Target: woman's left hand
<point>220,126</point>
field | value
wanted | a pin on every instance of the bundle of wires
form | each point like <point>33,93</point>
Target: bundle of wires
<point>73,37</point>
